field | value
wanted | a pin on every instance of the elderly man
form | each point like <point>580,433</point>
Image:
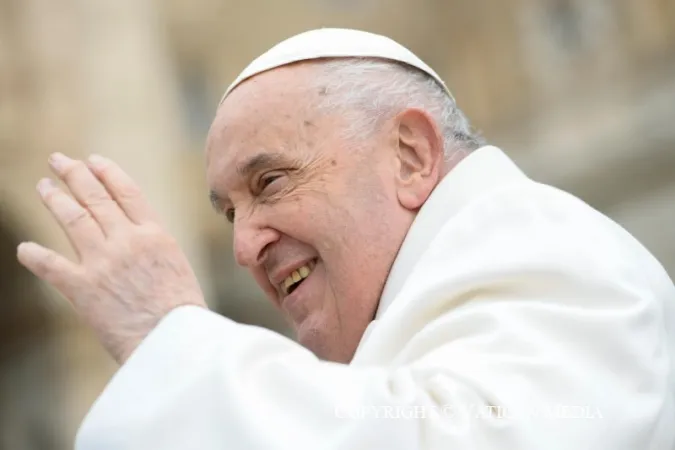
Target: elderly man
<point>441,299</point>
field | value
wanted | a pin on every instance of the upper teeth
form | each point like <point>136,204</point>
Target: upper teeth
<point>297,275</point>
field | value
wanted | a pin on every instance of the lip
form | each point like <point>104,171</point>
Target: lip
<point>279,275</point>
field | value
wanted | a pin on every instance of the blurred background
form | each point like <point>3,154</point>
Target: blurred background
<point>581,93</point>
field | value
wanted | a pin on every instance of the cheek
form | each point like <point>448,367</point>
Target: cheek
<point>263,281</point>
<point>302,217</point>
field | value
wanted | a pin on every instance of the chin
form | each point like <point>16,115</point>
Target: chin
<point>313,338</point>
<point>329,338</point>
<point>326,346</point>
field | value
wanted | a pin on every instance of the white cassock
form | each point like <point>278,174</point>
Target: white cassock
<point>514,317</point>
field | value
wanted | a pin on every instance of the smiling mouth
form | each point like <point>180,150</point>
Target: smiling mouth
<point>295,279</point>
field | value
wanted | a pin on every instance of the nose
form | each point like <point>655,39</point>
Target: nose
<point>251,242</point>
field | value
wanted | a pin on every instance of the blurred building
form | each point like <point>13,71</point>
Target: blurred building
<point>580,92</point>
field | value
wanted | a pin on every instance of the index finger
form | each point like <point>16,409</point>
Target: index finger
<point>88,191</point>
<point>123,189</point>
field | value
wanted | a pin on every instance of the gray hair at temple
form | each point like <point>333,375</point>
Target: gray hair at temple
<point>369,91</point>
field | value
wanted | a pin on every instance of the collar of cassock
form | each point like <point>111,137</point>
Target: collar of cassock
<point>486,169</point>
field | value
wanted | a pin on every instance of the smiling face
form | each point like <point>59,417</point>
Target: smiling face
<point>318,218</point>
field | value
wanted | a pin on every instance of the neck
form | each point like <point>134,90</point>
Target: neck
<point>454,158</point>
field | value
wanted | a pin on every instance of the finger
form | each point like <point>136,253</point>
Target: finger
<point>123,189</point>
<point>49,266</point>
<point>89,192</point>
<point>82,230</point>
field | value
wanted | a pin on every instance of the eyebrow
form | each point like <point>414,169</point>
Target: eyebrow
<point>248,167</point>
<point>215,200</point>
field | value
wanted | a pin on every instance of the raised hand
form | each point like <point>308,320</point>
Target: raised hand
<point>130,272</point>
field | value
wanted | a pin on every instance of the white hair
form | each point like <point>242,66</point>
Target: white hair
<point>370,91</point>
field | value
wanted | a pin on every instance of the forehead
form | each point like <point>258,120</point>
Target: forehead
<point>270,113</point>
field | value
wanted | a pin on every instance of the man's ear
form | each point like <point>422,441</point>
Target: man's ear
<point>419,157</point>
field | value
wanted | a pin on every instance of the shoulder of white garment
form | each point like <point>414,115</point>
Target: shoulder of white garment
<point>571,308</point>
<point>487,198</point>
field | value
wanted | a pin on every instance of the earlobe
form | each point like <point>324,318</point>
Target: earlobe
<point>412,199</point>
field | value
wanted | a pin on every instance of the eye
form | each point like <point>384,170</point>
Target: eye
<point>229,213</point>
<point>268,179</point>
